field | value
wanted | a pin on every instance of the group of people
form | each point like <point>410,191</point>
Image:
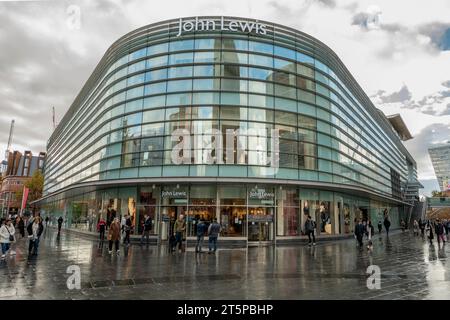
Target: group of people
<point>114,232</point>
<point>179,235</point>
<point>34,227</point>
<point>362,228</point>
<point>432,228</point>
<point>177,238</point>
<point>366,228</point>
<point>117,229</point>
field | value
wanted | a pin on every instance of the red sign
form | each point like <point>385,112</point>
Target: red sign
<point>24,198</point>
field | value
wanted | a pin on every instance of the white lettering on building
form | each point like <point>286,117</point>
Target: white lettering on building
<point>225,25</point>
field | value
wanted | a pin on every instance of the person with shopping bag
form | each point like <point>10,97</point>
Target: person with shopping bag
<point>7,237</point>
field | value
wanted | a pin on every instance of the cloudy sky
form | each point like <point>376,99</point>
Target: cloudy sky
<point>398,51</point>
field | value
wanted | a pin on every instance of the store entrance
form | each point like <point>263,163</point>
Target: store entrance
<point>169,216</point>
<point>260,225</point>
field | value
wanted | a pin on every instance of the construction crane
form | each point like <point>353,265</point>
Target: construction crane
<point>53,118</point>
<point>11,132</point>
<point>4,163</point>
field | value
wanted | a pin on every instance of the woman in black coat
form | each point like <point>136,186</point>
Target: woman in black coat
<point>21,227</point>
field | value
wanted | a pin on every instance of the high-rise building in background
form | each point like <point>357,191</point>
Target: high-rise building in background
<point>440,157</point>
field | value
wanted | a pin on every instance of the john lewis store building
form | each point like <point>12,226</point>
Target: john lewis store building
<point>247,121</point>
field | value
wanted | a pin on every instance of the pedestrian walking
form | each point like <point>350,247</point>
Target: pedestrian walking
<point>114,235</point>
<point>403,225</point>
<point>359,233</point>
<point>309,229</point>
<point>101,228</point>
<point>34,229</point>
<point>422,228</point>
<point>380,227</point>
<point>46,221</point>
<point>7,237</point>
<point>439,228</point>
<point>21,226</point>
<point>127,229</point>
<point>201,230</point>
<point>172,243</point>
<point>364,223</point>
<point>429,232</point>
<point>147,228</point>
<point>179,229</point>
<point>415,228</point>
<point>370,232</point>
<point>387,225</point>
<point>213,234</point>
<point>60,222</point>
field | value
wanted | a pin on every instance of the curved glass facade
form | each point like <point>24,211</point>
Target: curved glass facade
<point>151,82</point>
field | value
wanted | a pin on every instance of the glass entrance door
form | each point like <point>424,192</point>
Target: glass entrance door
<point>260,224</point>
<point>259,231</point>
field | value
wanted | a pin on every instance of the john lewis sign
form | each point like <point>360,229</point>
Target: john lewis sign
<point>261,194</point>
<point>224,25</point>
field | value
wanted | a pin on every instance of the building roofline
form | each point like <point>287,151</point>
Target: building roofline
<point>399,126</point>
<point>319,51</point>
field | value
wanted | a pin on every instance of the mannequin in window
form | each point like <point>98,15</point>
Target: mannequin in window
<point>306,209</point>
<point>323,217</point>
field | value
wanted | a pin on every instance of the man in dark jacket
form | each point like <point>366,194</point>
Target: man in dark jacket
<point>359,233</point>
<point>439,229</point>
<point>147,228</point>
<point>127,229</point>
<point>22,227</point>
<point>60,221</point>
<point>309,230</point>
<point>213,233</point>
<point>422,228</point>
<point>387,225</point>
<point>201,229</point>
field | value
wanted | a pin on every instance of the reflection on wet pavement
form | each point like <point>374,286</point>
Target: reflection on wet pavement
<point>410,269</point>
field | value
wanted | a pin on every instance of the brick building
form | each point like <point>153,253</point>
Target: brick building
<point>19,168</point>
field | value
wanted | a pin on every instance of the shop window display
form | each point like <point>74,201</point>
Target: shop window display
<point>324,217</point>
<point>233,219</point>
<point>347,218</point>
<point>288,213</point>
<point>148,202</point>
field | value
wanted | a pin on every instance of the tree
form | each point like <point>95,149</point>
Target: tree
<point>436,193</point>
<point>35,186</point>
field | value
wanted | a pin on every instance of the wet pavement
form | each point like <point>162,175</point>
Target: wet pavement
<point>410,269</point>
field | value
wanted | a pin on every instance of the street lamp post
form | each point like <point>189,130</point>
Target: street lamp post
<point>3,206</point>
<point>8,196</point>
